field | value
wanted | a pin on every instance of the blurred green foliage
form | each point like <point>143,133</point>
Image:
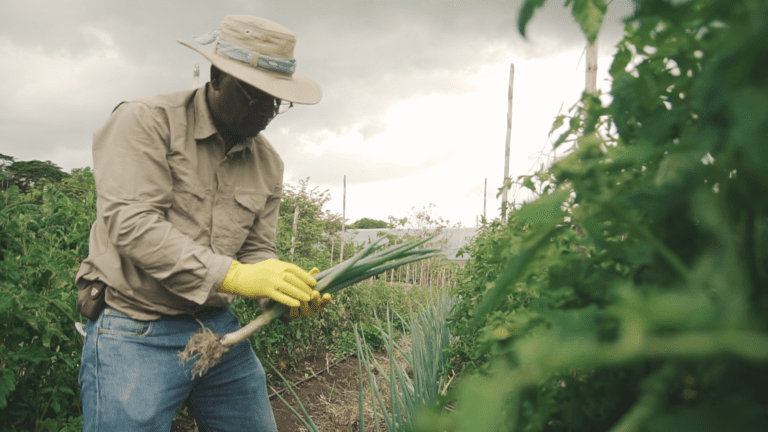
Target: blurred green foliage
<point>632,294</point>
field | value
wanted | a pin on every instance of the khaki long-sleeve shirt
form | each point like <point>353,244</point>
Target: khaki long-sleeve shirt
<point>173,209</point>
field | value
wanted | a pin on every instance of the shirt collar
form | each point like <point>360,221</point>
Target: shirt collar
<point>204,126</point>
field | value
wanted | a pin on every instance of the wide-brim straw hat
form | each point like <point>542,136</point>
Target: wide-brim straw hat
<point>259,52</point>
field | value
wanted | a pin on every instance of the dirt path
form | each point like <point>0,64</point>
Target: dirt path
<point>329,394</point>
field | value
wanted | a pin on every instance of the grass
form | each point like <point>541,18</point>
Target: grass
<point>412,386</point>
<point>333,329</point>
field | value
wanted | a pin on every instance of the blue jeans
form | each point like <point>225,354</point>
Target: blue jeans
<point>131,379</point>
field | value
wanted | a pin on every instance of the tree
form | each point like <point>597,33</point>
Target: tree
<point>367,223</point>
<point>25,174</point>
<point>421,222</point>
<point>317,228</point>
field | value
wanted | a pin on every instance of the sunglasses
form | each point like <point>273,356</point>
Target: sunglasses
<point>278,106</point>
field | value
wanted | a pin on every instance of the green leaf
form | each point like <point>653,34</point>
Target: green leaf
<point>5,301</point>
<point>561,139</point>
<point>679,169</point>
<point>631,156</point>
<point>484,400</point>
<point>750,127</point>
<point>32,321</point>
<point>558,122</point>
<point>620,61</point>
<point>33,354</point>
<point>7,385</point>
<point>526,13</point>
<point>49,333</point>
<point>545,210</point>
<point>589,14</point>
<point>528,183</point>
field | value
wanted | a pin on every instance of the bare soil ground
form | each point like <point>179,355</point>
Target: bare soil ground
<point>329,392</point>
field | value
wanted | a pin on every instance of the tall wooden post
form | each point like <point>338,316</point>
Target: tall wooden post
<point>343,218</point>
<point>331,263</point>
<point>294,228</point>
<point>509,137</point>
<point>408,273</point>
<point>195,76</point>
<point>485,195</point>
<point>590,85</point>
<point>590,81</point>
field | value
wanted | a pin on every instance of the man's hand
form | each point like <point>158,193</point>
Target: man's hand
<point>317,302</point>
<point>281,281</point>
<point>306,309</point>
<point>309,308</point>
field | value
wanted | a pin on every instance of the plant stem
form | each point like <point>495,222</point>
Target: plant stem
<point>252,327</point>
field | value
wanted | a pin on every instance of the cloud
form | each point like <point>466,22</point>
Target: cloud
<point>414,92</point>
<point>59,97</point>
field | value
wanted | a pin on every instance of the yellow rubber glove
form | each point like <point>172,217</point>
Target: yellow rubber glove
<point>281,281</point>
<point>309,308</point>
<point>317,302</point>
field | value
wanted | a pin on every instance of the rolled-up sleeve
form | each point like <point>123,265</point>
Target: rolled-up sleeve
<point>134,185</point>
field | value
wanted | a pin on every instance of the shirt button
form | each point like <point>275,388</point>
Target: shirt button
<point>106,312</point>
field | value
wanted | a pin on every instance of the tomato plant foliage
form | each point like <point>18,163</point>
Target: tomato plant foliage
<point>633,294</point>
<point>43,236</point>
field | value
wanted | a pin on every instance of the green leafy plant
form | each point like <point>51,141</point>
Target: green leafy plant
<point>44,235</point>
<point>630,295</point>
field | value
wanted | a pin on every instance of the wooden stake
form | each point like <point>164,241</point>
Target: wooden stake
<point>591,78</point>
<point>509,138</point>
<point>294,228</point>
<point>331,263</point>
<point>408,273</point>
<point>343,218</point>
<point>590,83</point>
<point>485,194</point>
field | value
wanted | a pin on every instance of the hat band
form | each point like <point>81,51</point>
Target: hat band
<point>246,56</point>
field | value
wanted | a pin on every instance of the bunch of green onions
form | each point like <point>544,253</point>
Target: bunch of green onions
<point>211,347</point>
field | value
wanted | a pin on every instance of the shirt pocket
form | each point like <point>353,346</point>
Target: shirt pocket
<point>235,222</point>
<point>250,207</point>
<point>188,209</point>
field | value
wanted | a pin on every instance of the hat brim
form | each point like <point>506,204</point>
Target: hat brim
<point>296,88</point>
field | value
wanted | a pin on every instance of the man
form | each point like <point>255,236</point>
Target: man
<point>188,198</point>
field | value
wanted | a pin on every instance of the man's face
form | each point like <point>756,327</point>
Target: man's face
<point>242,110</point>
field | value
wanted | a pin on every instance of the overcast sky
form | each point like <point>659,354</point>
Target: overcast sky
<point>414,92</point>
